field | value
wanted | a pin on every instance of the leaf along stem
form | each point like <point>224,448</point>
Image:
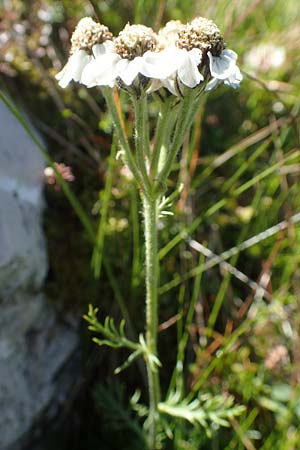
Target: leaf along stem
<point>163,133</point>
<point>142,138</point>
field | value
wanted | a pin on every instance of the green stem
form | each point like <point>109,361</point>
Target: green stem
<point>187,112</point>
<point>108,95</point>
<point>141,138</point>
<point>152,274</point>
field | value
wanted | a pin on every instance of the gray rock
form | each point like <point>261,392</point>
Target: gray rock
<point>34,344</point>
<point>22,251</point>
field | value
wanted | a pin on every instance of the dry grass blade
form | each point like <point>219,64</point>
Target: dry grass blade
<point>229,253</point>
<point>229,268</point>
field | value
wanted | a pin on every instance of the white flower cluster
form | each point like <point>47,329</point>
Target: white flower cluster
<point>178,56</point>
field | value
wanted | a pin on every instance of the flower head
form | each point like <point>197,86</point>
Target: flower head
<point>173,64</point>
<point>185,49</point>
<point>131,45</point>
<point>86,36</point>
<point>201,57</point>
<point>125,60</point>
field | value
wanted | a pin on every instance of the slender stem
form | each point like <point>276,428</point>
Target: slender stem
<point>186,114</point>
<point>150,211</point>
<point>108,95</point>
<point>141,137</point>
<point>152,274</point>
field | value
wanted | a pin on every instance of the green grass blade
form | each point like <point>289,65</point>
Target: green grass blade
<point>99,245</point>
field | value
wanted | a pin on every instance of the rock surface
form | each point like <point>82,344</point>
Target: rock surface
<point>34,344</point>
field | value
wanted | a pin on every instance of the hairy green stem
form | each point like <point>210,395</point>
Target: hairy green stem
<point>108,95</point>
<point>152,274</point>
<point>138,167</point>
<point>142,138</point>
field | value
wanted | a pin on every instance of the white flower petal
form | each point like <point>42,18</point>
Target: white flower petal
<point>188,72</point>
<point>230,53</point>
<point>222,66</point>
<point>84,60</point>
<point>196,55</point>
<point>64,76</point>
<point>162,64</point>
<point>73,69</point>
<point>109,46</point>
<point>169,83</point>
<point>238,75</point>
<point>234,79</point>
<point>102,49</point>
<point>101,71</point>
<point>98,50</point>
<point>128,70</point>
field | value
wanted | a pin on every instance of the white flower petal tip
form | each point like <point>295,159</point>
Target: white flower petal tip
<point>73,69</point>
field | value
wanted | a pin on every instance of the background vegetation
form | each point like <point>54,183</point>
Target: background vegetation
<point>239,314</point>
